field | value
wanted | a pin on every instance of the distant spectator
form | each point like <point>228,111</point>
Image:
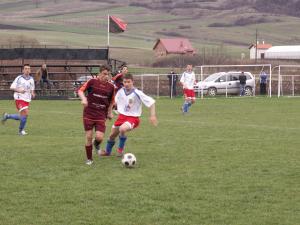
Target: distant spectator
<point>263,77</point>
<point>242,79</point>
<point>172,83</point>
<point>42,76</point>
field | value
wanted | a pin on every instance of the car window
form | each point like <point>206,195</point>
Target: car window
<point>222,79</point>
<point>212,77</point>
<point>248,77</point>
<point>234,77</point>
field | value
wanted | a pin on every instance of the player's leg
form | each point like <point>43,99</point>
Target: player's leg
<point>6,116</point>
<point>88,146</point>
<point>113,134</point>
<point>124,128</point>
<point>88,127</point>
<point>99,135</point>
<point>185,103</point>
<point>23,120</point>
<point>111,141</point>
<point>98,140</point>
<point>191,102</point>
<point>191,98</point>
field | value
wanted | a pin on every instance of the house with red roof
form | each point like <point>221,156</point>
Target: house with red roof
<point>167,46</point>
<point>261,49</point>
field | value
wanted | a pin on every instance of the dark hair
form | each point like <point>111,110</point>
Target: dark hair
<point>104,67</point>
<point>128,76</point>
<point>27,64</point>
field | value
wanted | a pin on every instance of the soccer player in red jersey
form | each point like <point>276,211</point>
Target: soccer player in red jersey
<point>118,82</point>
<point>118,79</point>
<point>97,97</point>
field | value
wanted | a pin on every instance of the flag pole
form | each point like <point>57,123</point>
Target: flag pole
<point>107,30</point>
<point>108,57</point>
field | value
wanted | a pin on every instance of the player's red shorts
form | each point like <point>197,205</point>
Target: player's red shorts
<point>189,93</point>
<point>21,105</point>
<point>132,121</point>
<point>99,125</point>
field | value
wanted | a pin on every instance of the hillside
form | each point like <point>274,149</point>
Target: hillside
<point>83,23</point>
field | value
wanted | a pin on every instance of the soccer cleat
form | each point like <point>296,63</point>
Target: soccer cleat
<point>103,153</point>
<point>22,133</point>
<point>97,147</point>
<point>120,153</point>
<point>89,162</point>
<point>4,118</point>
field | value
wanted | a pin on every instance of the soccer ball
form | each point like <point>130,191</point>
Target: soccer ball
<point>129,160</point>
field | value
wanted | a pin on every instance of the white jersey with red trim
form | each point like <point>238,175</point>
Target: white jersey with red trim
<point>130,103</point>
<point>188,79</point>
<point>25,83</point>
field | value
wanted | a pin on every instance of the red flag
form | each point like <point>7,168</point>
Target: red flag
<point>116,25</point>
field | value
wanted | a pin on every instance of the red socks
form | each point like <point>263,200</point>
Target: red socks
<point>89,152</point>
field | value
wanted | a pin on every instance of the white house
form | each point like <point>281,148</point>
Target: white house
<point>283,52</point>
<point>261,49</point>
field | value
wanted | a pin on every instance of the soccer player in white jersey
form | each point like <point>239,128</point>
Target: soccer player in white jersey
<point>129,105</point>
<point>23,87</point>
<point>187,81</point>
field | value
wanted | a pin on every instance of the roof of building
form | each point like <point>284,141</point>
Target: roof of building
<point>261,46</point>
<point>175,45</point>
<point>287,48</point>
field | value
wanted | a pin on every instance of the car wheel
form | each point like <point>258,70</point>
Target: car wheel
<point>248,91</point>
<point>212,91</point>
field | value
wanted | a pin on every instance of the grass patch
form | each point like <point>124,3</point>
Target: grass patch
<point>230,161</point>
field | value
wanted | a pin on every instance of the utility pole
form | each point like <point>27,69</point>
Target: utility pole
<point>256,46</point>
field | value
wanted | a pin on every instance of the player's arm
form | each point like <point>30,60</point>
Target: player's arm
<point>81,94</point>
<point>194,78</point>
<point>110,107</point>
<point>153,118</point>
<point>150,103</point>
<point>117,77</point>
<point>14,87</point>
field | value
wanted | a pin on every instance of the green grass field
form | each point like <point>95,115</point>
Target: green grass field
<point>230,161</point>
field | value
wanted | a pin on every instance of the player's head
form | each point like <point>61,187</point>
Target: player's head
<point>124,70</point>
<point>26,69</point>
<point>104,72</point>
<point>128,81</point>
<point>189,67</point>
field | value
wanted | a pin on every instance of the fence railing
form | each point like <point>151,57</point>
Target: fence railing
<point>66,83</point>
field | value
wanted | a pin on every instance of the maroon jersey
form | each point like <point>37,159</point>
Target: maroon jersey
<point>118,81</point>
<point>99,96</point>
